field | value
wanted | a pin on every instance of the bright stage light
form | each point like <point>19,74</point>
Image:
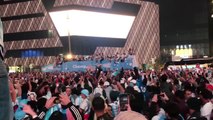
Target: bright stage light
<point>69,56</point>
<point>95,24</point>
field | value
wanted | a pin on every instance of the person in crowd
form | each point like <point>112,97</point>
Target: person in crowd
<point>172,112</point>
<point>5,98</point>
<point>179,98</point>
<point>64,100</point>
<point>100,89</point>
<point>107,88</point>
<point>130,115</point>
<point>114,102</point>
<point>206,109</point>
<point>157,95</point>
<point>85,105</point>
<point>194,109</point>
<point>69,94</point>
<point>187,94</point>
<point>99,106</point>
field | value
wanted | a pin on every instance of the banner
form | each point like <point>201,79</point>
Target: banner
<point>82,66</point>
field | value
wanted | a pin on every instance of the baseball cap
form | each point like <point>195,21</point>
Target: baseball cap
<point>85,92</point>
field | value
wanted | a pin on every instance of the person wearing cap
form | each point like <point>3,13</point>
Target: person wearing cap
<point>107,88</point>
<point>85,105</point>
<point>6,111</point>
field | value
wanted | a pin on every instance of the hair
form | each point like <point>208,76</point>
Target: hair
<point>129,90</point>
<point>172,110</point>
<point>206,94</point>
<point>33,105</point>
<point>101,83</point>
<point>135,99</point>
<point>179,94</point>
<point>98,104</point>
<point>194,103</point>
<point>57,115</point>
<point>114,95</point>
<point>188,89</point>
<point>130,115</point>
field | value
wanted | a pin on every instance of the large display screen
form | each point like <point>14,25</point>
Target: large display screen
<point>89,23</point>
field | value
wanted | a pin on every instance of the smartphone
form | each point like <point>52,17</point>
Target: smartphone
<point>57,100</point>
<point>124,101</point>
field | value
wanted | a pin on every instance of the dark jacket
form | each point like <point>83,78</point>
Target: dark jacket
<point>74,110</point>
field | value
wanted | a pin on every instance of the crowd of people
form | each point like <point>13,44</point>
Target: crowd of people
<point>174,94</point>
<point>98,57</point>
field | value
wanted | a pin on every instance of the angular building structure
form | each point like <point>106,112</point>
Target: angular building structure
<point>31,37</point>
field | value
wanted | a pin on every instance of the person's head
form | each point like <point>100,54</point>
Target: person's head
<point>101,83</point>
<point>130,90</point>
<point>106,84</point>
<point>98,104</point>
<point>114,95</point>
<point>187,94</point>
<point>172,110</point>
<point>57,115</point>
<point>129,115</point>
<point>163,78</point>
<point>179,95</point>
<point>84,93</point>
<point>68,91</point>
<point>32,96</point>
<point>205,95</point>
<point>42,89</point>
<point>193,104</point>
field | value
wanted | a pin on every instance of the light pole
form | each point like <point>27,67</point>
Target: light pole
<point>69,40</point>
<point>69,55</point>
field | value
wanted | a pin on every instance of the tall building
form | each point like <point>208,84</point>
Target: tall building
<point>184,28</point>
<point>32,38</point>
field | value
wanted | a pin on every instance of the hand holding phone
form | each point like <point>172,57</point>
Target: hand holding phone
<point>57,100</point>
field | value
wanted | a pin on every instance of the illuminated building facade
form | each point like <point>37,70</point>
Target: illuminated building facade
<point>31,37</point>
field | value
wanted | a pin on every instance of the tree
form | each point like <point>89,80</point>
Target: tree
<point>162,59</point>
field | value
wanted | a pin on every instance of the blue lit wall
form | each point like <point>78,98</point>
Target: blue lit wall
<point>32,53</point>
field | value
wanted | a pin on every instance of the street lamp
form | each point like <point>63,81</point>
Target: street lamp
<point>69,55</point>
<point>69,40</point>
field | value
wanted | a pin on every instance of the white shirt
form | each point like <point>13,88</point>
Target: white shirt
<point>85,105</point>
<point>98,90</point>
<point>78,101</point>
<point>206,110</point>
<point>160,115</point>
